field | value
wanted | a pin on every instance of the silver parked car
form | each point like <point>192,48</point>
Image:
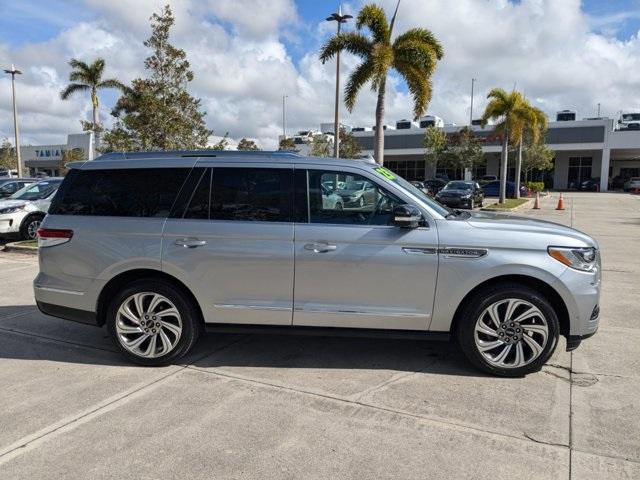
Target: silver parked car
<point>162,246</point>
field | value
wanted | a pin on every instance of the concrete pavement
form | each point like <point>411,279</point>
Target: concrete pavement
<point>248,406</point>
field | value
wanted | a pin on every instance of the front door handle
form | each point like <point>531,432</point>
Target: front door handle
<point>320,247</point>
<point>190,242</point>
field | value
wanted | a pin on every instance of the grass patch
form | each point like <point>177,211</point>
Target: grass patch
<point>508,204</point>
<point>27,243</point>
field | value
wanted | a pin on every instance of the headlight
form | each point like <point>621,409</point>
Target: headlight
<point>583,259</point>
<point>4,211</point>
<point>466,197</point>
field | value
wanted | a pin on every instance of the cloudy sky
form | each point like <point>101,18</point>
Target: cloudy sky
<point>246,54</point>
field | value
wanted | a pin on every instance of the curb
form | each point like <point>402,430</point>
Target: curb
<point>514,209</point>
<point>16,247</point>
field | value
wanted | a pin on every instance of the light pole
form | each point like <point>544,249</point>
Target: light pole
<point>340,19</point>
<point>13,73</point>
<point>473,80</point>
<point>284,117</point>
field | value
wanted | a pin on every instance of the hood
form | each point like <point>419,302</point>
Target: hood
<point>347,193</point>
<point>510,224</point>
<point>12,203</point>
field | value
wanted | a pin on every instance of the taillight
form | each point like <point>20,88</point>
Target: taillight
<point>48,237</point>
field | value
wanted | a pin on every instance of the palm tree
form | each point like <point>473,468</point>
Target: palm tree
<point>89,77</point>
<point>413,55</point>
<point>510,112</point>
<point>535,124</point>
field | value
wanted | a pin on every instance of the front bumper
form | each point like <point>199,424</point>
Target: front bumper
<point>455,202</point>
<point>10,223</point>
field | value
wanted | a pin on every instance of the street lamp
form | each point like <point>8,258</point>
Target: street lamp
<point>340,18</point>
<point>13,73</point>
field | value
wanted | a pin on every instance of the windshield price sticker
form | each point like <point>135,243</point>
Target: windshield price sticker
<point>386,173</point>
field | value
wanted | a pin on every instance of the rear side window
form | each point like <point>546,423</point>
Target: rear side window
<point>133,192</point>
<point>252,194</point>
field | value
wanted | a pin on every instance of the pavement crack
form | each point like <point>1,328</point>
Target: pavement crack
<point>537,440</point>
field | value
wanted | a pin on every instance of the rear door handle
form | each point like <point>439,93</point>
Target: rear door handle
<point>190,242</point>
<point>320,247</point>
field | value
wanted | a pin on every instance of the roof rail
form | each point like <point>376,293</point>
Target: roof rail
<point>193,153</point>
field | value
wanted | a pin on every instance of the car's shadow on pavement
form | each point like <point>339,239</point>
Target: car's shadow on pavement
<point>27,334</point>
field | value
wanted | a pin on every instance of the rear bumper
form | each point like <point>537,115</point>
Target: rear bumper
<point>66,313</point>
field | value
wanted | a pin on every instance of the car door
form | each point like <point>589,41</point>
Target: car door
<point>230,240</point>
<point>353,268</point>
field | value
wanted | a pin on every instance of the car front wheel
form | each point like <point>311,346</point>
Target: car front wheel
<point>509,330</point>
<point>153,322</point>
<point>29,227</point>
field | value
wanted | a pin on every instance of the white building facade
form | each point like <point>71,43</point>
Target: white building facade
<point>40,160</point>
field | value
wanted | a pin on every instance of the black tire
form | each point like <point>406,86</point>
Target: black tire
<point>486,297</point>
<point>472,204</point>
<point>339,206</point>
<point>30,225</point>
<point>192,324</point>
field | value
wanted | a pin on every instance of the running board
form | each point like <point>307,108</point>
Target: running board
<point>327,331</point>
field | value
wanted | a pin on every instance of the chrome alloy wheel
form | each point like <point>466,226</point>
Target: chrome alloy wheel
<point>148,325</point>
<point>511,333</point>
<point>32,229</point>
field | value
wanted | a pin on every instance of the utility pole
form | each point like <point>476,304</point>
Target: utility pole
<point>598,110</point>
<point>284,117</point>
<point>14,71</point>
<point>473,80</point>
<point>340,18</point>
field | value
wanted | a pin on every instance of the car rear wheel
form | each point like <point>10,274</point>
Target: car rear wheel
<point>509,330</point>
<point>153,322</point>
<point>29,227</point>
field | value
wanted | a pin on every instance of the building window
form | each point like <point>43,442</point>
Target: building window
<point>579,171</point>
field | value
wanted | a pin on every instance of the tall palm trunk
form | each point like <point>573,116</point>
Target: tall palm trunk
<point>503,167</point>
<point>378,152</point>
<point>518,169</point>
<point>96,120</point>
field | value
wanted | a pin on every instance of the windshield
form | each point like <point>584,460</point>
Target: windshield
<point>457,186</point>
<point>630,116</point>
<point>38,191</point>
<point>391,177</point>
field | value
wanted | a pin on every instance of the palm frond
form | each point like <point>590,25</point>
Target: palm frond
<point>72,88</point>
<point>361,75</point>
<point>111,83</point>
<point>419,36</point>
<point>419,86</point>
<point>373,17</point>
<point>352,42</point>
<point>417,54</point>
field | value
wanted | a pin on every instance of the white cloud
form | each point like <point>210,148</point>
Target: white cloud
<point>242,67</point>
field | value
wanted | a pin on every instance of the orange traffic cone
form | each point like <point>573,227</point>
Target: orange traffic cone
<point>560,203</point>
<point>536,205</point>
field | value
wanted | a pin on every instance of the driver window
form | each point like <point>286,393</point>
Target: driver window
<point>347,198</point>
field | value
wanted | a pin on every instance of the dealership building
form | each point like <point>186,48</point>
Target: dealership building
<point>45,159</point>
<point>584,149</point>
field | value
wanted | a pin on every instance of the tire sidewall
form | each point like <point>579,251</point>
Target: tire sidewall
<point>24,227</point>
<point>480,302</point>
<point>190,316</point>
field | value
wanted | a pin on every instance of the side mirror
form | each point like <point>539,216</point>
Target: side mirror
<point>407,216</point>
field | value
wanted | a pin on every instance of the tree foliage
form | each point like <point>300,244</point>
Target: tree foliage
<point>8,157</point>
<point>321,146</point>
<point>537,156</point>
<point>221,144</point>
<point>247,145</point>
<point>68,156</point>
<point>158,113</point>
<point>287,145</point>
<point>349,146</point>
<point>458,151</point>
<point>413,54</point>
<point>88,77</point>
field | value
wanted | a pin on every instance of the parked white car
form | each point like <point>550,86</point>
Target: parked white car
<point>632,184</point>
<point>23,211</point>
<point>331,200</point>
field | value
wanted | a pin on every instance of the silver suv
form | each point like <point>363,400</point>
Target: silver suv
<point>162,246</point>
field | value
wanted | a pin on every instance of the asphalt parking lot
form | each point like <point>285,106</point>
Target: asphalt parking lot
<point>288,407</point>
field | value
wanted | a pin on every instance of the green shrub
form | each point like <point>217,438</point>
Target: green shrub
<point>535,186</point>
